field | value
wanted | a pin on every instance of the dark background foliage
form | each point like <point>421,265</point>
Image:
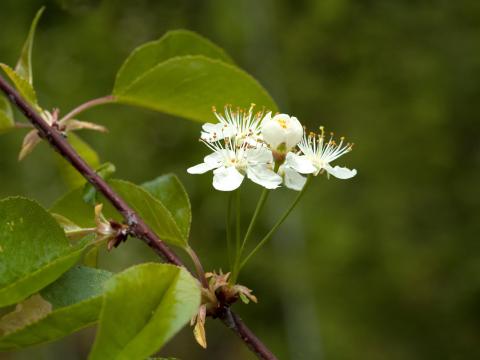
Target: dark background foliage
<point>384,266</point>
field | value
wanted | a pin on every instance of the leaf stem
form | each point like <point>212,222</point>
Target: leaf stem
<point>277,224</point>
<point>198,266</point>
<point>89,104</point>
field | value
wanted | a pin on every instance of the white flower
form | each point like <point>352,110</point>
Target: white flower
<point>230,163</point>
<point>320,153</point>
<point>292,169</point>
<point>241,124</point>
<point>281,132</point>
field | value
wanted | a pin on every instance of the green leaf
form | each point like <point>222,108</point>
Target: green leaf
<point>189,86</point>
<point>69,304</point>
<point>6,115</point>
<point>72,178</point>
<point>72,230</point>
<point>172,44</point>
<point>91,257</point>
<point>34,250</point>
<point>23,86</point>
<point>72,206</point>
<point>5,107</point>
<point>6,122</point>
<point>170,191</point>
<point>151,210</point>
<point>24,64</point>
<point>152,302</point>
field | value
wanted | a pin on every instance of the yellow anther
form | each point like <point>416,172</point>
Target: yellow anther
<point>282,123</point>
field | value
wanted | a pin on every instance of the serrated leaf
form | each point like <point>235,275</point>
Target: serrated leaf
<point>72,178</point>
<point>151,210</point>
<point>23,86</point>
<point>188,86</point>
<point>34,250</point>
<point>172,44</point>
<point>24,64</point>
<point>170,191</point>
<point>69,304</point>
<point>170,296</point>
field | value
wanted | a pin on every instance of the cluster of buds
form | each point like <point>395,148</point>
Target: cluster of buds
<point>220,293</point>
<point>108,230</point>
<point>32,138</point>
<point>105,230</point>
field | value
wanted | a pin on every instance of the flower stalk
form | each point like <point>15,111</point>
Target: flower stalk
<point>277,224</point>
<point>198,266</point>
<point>87,105</point>
<point>260,205</point>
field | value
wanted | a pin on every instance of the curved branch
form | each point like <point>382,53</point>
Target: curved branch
<point>138,228</point>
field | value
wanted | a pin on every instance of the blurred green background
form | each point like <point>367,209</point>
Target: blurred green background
<point>383,266</point>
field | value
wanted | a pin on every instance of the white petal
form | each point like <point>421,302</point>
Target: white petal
<point>227,178</point>
<point>263,176</point>
<point>272,131</point>
<point>210,162</point>
<point>299,163</point>
<point>293,133</point>
<point>253,141</point>
<point>267,117</point>
<point>211,132</point>
<point>214,132</point>
<point>293,180</point>
<point>209,127</point>
<point>341,172</point>
<point>215,158</point>
<point>260,155</point>
<point>201,168</point>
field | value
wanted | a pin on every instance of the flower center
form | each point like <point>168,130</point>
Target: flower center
<point>238,162</point>
<point>282,123</point>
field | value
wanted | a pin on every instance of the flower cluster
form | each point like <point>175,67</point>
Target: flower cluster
<point>268,149</point>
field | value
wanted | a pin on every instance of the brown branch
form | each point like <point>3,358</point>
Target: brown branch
<point>137,227</point>
<point>234,323</point>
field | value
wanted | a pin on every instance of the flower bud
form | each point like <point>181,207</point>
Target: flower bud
<point>281,132</point>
